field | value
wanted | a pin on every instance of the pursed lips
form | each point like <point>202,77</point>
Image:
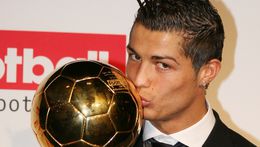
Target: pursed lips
<point>145,102</point>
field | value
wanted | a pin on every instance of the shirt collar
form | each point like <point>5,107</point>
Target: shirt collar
<point>194,135</point>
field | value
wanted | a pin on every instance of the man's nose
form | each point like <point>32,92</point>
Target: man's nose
<point>142,78</point>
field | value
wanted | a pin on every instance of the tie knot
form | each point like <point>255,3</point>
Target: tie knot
<point>154,143</point>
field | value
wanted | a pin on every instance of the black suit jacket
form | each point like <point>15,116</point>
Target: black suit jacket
<point>220,136</point>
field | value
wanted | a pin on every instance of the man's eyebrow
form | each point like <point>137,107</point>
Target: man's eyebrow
<point>131,49</point>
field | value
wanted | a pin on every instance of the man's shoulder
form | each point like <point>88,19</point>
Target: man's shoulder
<point>240,140</point>
<point>221,135</point>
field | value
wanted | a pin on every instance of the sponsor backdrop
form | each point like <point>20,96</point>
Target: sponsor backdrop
<point>36,37</point>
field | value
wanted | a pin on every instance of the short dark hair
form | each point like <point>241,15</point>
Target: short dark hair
<point>197,20</point>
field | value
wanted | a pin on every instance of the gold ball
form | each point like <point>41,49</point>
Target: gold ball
<point>86,104</point>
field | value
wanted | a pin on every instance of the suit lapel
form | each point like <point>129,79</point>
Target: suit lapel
<point>219,135</point>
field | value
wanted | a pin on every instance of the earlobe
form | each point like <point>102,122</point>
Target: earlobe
<point>208,72</point>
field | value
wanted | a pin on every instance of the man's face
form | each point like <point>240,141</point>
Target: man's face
<point>164,77</point>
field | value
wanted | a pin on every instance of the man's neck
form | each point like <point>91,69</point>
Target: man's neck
<point>181,121</point>
<point>194,135</point>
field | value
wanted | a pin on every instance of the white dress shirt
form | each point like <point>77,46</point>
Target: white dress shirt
<point>193,136</point>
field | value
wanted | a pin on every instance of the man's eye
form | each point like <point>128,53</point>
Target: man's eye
<point>163,66</point>
<point>134,57</point>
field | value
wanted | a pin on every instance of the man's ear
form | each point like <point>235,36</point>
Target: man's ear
<point>208,72</point>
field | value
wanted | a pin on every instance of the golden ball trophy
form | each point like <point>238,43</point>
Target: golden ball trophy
<point>86,104</point>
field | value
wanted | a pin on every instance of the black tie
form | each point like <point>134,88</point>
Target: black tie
<point>153,143</point>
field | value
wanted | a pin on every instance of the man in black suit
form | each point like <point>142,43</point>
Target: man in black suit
<point>175,50</point>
